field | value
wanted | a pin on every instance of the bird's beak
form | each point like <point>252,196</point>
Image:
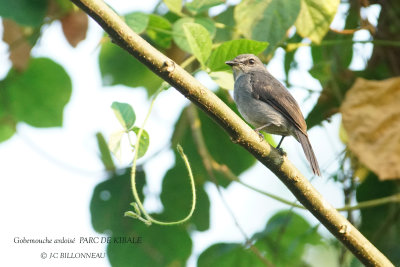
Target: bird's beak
<point>231,63</point>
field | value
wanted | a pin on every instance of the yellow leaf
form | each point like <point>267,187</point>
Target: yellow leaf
<point>371,118</point>
<point>315,18</point>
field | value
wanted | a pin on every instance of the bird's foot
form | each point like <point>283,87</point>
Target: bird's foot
<point>281,152</point>
<point>260,135</point>
<point>235,140</point>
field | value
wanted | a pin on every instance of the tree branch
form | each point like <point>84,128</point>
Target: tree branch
<point>239,131</point>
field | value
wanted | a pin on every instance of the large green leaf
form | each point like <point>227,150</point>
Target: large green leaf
<point>38,95</point>
<point>228,255</point>
<point>179,34</point>
<point>109,202</point>
<point>224,79</point>
<point>119,67</point>
<point>25,12</point>
<point>160,246</point>
<point>381,224</point>
<point>266,20</point>
<point>225,33</point>
<point>176,195</point>
<point>137,21</point>
<point>174,5</point>
<point>315,18</point>
<point>285,238</point>
<point>199,41</point>
<point>160,31</point>
<point>111,199</point>
<point>282,242</point>
<point>331,69</point>
<point>229,50</point>
<point>7,122</point>
<point>7,129</point>
<point>289,61</point>
<point>197,6</point>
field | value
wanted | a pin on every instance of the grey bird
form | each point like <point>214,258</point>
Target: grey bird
<point>266,104</point>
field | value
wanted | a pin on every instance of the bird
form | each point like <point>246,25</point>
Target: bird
<point>265,103</point>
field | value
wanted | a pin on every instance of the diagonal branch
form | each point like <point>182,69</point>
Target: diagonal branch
<point>239,131</point>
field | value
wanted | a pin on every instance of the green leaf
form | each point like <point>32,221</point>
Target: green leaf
<point>143,142</point>
<point>38,95</point>
<point>7,122</point>
<point>111,199</point>
<point>160,31</point>
<point>176,195</point>
<point>24,12</point>
<point>229,50</point>
<point>114,144</point>
<point>137,21</point>
<point>197,6</point>
<point>315,18</point>
<point>119,67</point>
<point>223,78</point>
<point>331,69</point>
<point>289,61</point>
<point>283,242</point>
<point>199,41</point>
<point>179,35</point>
<point>266,20</point>
<point>174,5</point>
<point>105,154</point>
<point>225,33</point>
<point>285,239</point>
<point>227,255</point>
<point>380,224</point>
<point>125,114</point>
<point>7,129</point>
<point>160,246</point>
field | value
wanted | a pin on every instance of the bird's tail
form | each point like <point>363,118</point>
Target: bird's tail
<point>308,151</point>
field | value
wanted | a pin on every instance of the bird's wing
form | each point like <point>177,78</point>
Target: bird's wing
<point>268,89</point>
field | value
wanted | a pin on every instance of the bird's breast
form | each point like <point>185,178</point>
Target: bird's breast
<point>257,112</point>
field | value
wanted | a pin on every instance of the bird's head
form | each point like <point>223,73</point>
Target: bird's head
<point>245,63</point>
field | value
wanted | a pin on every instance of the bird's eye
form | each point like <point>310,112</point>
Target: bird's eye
<point>251,61</point>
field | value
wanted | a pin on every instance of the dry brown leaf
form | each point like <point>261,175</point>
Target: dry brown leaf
<point>75,25</point>
<point>371,117</point>
<point>19,47</point>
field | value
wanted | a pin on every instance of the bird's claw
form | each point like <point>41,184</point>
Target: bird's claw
<point>281,152</point>
<point>260,135</point>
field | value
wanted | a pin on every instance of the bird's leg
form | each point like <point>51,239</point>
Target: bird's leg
<point>280,150</point>
<point>280,142</point>
<point>257,130</point>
